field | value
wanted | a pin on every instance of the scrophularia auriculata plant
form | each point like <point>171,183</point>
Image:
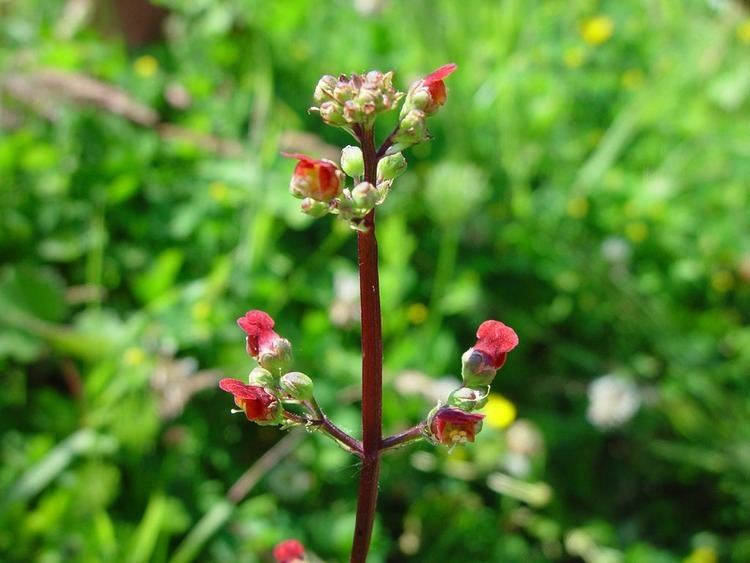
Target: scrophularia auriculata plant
<point>275,394</point>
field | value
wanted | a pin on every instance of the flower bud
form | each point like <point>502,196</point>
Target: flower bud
<point>365,196</point>
<point>468,399</point>
<point>324,91</point>
<point>352,162</point>
<point>314,208</point>
<point>411,130</point>
<point>450,426</point>
<point>297,385</point>
<point>278,357</point>
<point>391,167</point>
<point>261,377</point>
<point>256,402</point>
<point>332,113</point>
<point>474,370</point>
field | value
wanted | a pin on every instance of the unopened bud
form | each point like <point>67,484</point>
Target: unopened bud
<point>277,357</point>
<point>332,113</point>
<point>351,161</point>
<point>468,399</point>
<point>325,88</point>
<point>365,196</point>
<point>412,129</point>
<point>314,208</point>
<point>474,369</point>
<point>260,377</point>
<point>297,385</point>
<point>391,167</point>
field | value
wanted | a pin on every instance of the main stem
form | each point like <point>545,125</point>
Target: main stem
<point>372,365</point>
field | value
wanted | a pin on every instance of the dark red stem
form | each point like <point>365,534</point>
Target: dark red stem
<point>402,438</point>
<point>372,364</point>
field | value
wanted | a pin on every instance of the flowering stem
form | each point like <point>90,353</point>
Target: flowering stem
<point>372,363</point>
<point>403,438</point>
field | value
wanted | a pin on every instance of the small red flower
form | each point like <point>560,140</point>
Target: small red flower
<point>257,403</point>
<point>316,179</point>
<point>260,334</point>
<point>494,341</point>
<point>451,426</point>
<point>289,551</point>
<point>436,87</point>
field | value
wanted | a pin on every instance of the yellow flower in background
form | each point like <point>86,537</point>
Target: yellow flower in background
<point>632,79</point>
<point>577,207</point>
<point>574,57</point>
<point>146,66</point>
<point>499,412</point>
<point>219,191</point>
<point>417,313</point>
<point>636,231</point>
<point>597,30</point>
<point>134,356</point>
<point>702,554</point>
<point>743,32</point>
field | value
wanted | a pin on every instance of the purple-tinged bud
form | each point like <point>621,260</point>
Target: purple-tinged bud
<point>474,370</point>
<point>352,161</point>
<point>332,113</point>
<point>297,385</point>
<point>277,357</point>
<point>324,91</point>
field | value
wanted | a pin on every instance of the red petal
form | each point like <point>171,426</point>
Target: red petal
<point>498,336</point>
<point>456,416</point>
<point>440,73</point>
<point>255,322</point>
<point>299,156</point>
<point>288,550</point>
<point>240,390</point>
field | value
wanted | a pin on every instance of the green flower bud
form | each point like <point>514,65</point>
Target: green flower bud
<point>260,377</point>
<point>278,357</point>
<point>351,161</point>
<point>313,208</point>
<point>297,385</point>
<point>468,399</point>
<point>365,196</point>
<point>391,167</point>
<point>474,369</point>
<point>412,129</point>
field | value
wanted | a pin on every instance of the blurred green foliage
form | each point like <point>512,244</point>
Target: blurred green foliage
<point>587,185</point>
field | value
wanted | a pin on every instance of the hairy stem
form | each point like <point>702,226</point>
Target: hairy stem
<point>372,364</point>
<point>403,438</point>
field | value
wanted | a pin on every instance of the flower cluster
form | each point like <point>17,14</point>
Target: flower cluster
<point>456,422</point>
<point>270,384</point>
<point>353,102</point>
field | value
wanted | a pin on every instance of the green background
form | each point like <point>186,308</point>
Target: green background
<point>590,191</point>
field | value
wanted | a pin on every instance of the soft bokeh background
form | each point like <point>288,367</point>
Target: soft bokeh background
<point>588,185</point>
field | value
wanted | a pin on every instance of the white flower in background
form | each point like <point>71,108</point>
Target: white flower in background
<point>344,311</point>
<point>616,250</point>
<point>412,382</point>
<point>524,442</point>
<point>613,400</point>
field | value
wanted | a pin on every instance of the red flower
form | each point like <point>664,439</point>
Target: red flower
<point>451,426</point>
<point>316,179</point>
<point>436,87</point>
<point>494,341</point>
<point>289,551</point>
<point>257,403</point>
<point>259,329</point>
